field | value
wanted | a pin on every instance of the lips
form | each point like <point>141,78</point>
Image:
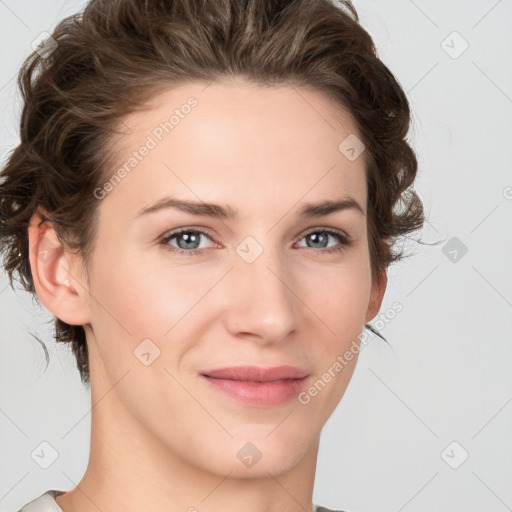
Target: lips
<point>257,374</point>
<point>257,386</point>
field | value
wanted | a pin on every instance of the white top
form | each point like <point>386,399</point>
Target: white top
<point>46,503</point>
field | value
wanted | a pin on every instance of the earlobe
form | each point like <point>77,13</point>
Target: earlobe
<point>52,267</point>
<point>377,295</point>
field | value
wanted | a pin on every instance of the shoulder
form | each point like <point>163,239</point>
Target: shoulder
<point>44,503</point>
<point>319,508</point>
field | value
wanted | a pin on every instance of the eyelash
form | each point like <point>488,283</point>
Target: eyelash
<point>345,241</point>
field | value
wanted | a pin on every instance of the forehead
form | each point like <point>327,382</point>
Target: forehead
<point>235,140</point>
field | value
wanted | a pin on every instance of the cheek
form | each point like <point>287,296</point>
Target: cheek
<point>141,296</point>
<point>341,309</point>
<point>339,296</point>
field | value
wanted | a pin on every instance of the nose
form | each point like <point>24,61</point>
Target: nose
<point>262,299</point>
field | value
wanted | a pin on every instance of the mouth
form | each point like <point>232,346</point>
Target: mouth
<point>257,387</point>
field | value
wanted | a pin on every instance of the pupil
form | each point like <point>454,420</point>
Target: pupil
<point>189,239</point>
<point>318,236</point>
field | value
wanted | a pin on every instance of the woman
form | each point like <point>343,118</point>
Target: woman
<point>204,197</point>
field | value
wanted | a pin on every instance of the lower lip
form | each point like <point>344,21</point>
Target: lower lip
<point>259,394</point>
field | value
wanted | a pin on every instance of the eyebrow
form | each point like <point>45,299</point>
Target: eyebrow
<point>309,210</point>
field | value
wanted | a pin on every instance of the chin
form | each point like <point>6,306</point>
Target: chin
<point>257,455</point>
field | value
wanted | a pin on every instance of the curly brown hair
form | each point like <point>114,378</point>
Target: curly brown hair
<point>106,62</point>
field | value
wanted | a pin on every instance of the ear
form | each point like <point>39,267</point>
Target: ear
<point>58,277</point>
<point>377,294</point>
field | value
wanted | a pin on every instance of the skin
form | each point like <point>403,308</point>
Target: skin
<point>161,439</point>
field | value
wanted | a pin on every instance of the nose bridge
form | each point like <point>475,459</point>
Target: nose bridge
<point>262,302</point>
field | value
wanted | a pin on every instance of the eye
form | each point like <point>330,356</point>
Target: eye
<point>320,237</point>
<point>188,241</point>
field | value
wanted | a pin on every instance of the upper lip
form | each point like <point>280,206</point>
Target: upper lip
<point>257,373</point>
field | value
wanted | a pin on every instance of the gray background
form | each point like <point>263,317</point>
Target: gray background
<point>447,376</point>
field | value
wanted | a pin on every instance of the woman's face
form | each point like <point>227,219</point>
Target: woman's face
<point>261,286</point>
